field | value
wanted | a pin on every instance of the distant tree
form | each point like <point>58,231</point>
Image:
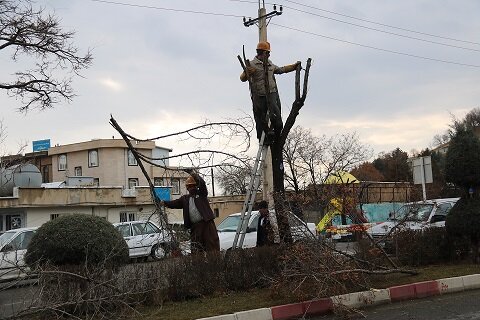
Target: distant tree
<point>234,180</point>
<point>394,166</point>
<point>28,34</point>
<point>462,162</point>
<point>367,172</point>
<point>462,167</point>
<point>472,119</point>
<point>295,171</point>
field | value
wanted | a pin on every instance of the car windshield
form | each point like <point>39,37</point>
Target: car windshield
<point>4,238</point>
<point>229,224</point>
<point>413,212</point>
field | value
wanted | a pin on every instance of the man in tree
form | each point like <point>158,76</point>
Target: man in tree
<point>266,89</point>
<point>197,215</point>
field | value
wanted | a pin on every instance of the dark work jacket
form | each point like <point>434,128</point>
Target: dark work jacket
<point>263,232</point>
<point>201,202</point>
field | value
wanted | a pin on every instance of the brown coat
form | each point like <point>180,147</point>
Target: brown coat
<point>201,202</point>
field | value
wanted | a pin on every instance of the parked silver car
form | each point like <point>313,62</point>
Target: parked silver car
<point>145,239</point>
<point>413,216</point>
<point>13,246</point>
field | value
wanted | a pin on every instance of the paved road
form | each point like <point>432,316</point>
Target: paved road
<point>17,297</point>
<point>458,306</point>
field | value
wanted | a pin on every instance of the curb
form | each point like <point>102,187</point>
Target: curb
<point>361,299</point>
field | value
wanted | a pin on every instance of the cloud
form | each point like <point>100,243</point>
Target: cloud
<point>111,84</point>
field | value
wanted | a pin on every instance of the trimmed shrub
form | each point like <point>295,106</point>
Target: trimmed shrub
<point>429,246</point>
<point>77,240</point>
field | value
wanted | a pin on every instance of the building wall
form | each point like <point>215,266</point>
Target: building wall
<point>112,169</point>
<point>35,206</point>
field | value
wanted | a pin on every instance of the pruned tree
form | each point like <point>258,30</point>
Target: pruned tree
<point>28,33</point>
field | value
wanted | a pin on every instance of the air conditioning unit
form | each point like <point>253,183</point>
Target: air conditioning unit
<point>129,193</point>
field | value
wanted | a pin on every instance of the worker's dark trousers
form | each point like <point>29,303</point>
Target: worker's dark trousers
<point>260,114</point>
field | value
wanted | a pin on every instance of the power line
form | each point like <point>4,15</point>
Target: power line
<point>286,27</point>
<point>387,32</point>
<point>167,9</point>
<point>376,48</point>
<point>373,29</point>
<point>377,23</point>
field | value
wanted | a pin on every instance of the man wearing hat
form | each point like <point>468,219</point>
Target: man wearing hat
<point>197,215</point>
<point>257,76</point>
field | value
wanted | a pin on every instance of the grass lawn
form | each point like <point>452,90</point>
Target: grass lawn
<point>260,298</point>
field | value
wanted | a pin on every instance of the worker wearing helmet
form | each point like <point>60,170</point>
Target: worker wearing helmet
<point>257,77</point>
<point>197,215</point>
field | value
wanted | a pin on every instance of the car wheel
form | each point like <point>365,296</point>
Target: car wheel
<point>159,252</point>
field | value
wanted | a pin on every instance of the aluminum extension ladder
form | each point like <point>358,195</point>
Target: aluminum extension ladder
<point>251,193</point>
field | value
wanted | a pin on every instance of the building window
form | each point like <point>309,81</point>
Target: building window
<point>93,158</point>
<point>132,183</point>
<point>158,181</point>
<point>175,185</point>
<point>96,182</point>
<point>78,171</point>
<point>62,162</point>
<point>217,212</point>
<point>131,158</point>
<point>127,216</point>
<point>54,216</point>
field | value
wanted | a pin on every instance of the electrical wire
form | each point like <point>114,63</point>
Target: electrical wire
<point>363,20</point>
<point>382,24</point>
<point>376,48</point>
<point>372,29</point>
<point>386,32</point>
<point>167,9</point>
<point>298,30</point>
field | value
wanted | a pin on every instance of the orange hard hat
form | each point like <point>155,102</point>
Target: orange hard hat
<point>190,181</point>
<point>263,45</point>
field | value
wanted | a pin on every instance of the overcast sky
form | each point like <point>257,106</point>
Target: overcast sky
<point>158,71</point>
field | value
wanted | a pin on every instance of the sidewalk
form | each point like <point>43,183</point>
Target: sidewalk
<point>358,299</point>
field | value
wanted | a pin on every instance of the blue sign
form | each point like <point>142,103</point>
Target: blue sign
<point>163,193</point>
<point>41,145</point>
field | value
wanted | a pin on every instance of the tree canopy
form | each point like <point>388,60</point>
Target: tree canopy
<point>32,36</point>
<point>462,162</point>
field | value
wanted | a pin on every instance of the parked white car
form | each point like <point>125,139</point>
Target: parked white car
<point>228,227</point>
<point>145,239</point>
<point>414,216</point>
<point>13,246</point>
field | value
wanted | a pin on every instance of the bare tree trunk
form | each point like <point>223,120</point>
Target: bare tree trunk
<point>277,156</point>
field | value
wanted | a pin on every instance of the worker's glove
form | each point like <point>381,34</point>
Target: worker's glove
<point>290,67</point>
<point>251,71</point>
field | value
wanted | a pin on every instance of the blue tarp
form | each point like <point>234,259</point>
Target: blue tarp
<point>163,193</point>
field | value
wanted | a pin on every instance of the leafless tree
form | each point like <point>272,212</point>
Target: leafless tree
<point>310,159</point>
<point>27,32</point>
<point>295,170</point>
<point>235,180</point>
